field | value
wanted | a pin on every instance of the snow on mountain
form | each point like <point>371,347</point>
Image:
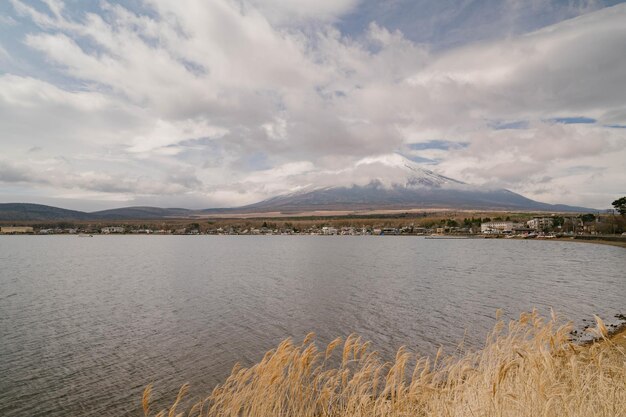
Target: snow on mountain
<point>394,182</point>
<point>396,170</point>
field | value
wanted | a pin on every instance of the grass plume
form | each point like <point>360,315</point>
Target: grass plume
<point>528,368</point>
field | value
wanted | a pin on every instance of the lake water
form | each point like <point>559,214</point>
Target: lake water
<point>86,324</point>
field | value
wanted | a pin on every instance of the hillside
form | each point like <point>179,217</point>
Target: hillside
<point>142,213</point>
<point>38,212</point>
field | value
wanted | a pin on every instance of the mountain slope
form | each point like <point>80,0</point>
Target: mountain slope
<point>375,197</point>
<point>402,184</point>
<point>36,212</point>
<point>142,213</point>
<point>39,212</point>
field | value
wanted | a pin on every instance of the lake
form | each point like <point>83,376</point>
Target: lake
<point>87,323</point>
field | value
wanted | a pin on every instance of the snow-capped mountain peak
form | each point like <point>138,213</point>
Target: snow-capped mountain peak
<point>394,182</point>
<point>396,170</point>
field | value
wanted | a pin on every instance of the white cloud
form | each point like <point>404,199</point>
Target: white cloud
<point>572,67</point>
<point>167,133</point>
<point>36,113</point>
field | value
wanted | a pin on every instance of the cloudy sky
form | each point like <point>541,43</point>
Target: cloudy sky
<point>200,104</point>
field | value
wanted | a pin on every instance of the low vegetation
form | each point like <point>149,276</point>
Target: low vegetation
<point>527,368</point>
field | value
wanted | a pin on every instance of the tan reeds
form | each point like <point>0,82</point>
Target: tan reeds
<point>526,369</point>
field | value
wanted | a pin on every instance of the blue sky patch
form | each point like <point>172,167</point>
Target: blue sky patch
<point>443,24</point>
<point>503,125</point>
<point>573,120</point>
<point>437,144</point>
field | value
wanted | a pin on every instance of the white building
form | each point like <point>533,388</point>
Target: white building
<point>540,223</point>
<point>496,227</point>
<point>329,230</point>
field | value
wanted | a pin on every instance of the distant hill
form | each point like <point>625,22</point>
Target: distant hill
<point>35,212</point>
<point>40,212</point>
<point>142,213</point>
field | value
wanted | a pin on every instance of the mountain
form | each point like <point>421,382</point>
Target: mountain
<point>38,212</point>
<point>391,182</point>
<point>402,184</point>
<point>375,197</point>
<point>142,213</point>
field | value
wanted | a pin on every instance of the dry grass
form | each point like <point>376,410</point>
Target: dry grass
<point>527,368</point>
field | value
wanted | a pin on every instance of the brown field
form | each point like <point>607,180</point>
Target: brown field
<point>527,368</point>
<point>335,213</point>
<point>382,218</point>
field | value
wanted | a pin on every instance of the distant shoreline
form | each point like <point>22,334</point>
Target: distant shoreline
<point>621,243</point>
<point>596,241</point>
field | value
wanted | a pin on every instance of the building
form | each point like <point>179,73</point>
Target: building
<point>522,230</point>
<point>142,231</point>
<point>112,229</point>
<point>496,227</point>
<point>15,230</point>
<point>540,223</point>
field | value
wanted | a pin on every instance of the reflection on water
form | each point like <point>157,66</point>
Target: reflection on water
<point>85,324</point>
